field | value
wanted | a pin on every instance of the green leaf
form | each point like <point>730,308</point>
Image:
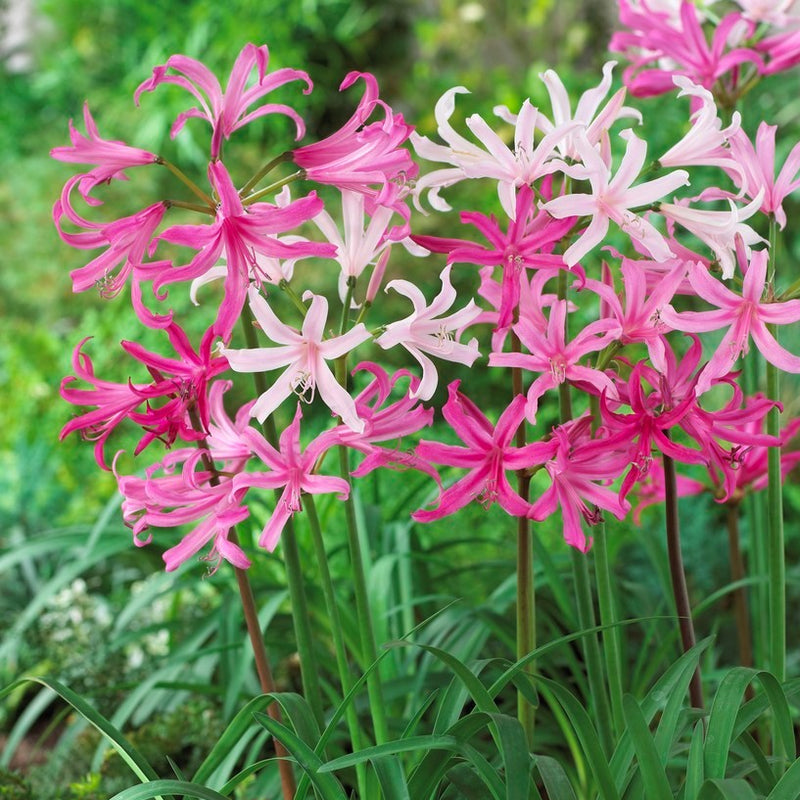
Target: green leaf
<point>152,789</point>
<point>554,778</point>
<point>654,779</point>
<point>694,763</point>
<point>129,754</point>
<point>230,736</point>
<point>726,708</point>
<point>590,741</point>
<point>788,787</point>
<point>429,742</point>
<point>392,780</point>
<point>513,745</point>
<point>327,785</point>
<point>726,789</point>
<point>433,765</point>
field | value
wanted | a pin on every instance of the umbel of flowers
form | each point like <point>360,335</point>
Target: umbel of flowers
<point>611,336</point>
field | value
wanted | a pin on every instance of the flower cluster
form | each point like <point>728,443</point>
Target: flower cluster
<point>612,341</point>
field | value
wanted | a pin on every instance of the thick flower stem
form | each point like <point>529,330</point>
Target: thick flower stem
<point>526,589</point>
<point>608,619</point>
<point>309,671</point>
<point>741,611</point>
<point>777,562</point>
<point>328,591</point>
<point>263,669</point>
<point>265,170</point>
<point>678,575</point>
<point>369,649</point>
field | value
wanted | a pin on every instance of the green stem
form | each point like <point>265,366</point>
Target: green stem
<point>777,556</point>
<point>294,297</point>
<point>301,619</point>
<point>187,181</point>
<point>369,650</point>
<point>345,677</point>
<point>776,563</point>
<point>191,206</point>
<point>348,299</point>
<point>265,170</point>
<point>273,187</point>
<point>678,575</point>
<point>608,618</point>
<point>526,588</point>
<point>741,611</point>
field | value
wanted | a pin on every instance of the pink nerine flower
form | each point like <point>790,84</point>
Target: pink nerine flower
<point>577,466</point>
<point>383,423</point>
<point>227,111</point>
<point>425,330</point>
<point>291,468</point>
<point>196,487</point>
<point>679,48</point>
<point>488,454</point>
<point>304,354</point>
<point>756,173</point>
<point>557,360</point>
<point>361,155</point>
<point>745,315</point>
<point>110,156</point>
<point>613,197</point>
<point>530,239</point>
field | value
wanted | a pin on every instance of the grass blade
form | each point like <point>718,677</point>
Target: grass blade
<point>654,779</point>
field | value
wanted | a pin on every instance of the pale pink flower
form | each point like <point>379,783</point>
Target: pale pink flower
<point>705,141</point>
<point>512,167</point>
<point>756,170</point>
<point>774,12</point>
<point>304,354</point>
<point>744,315</point>
<point>557,360</point>
<point>613,197</point>
<point>227,111</point>
<point>357,245</point>
<point>426,330</point>
<point>717,229</point>
<point>595,122</point>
